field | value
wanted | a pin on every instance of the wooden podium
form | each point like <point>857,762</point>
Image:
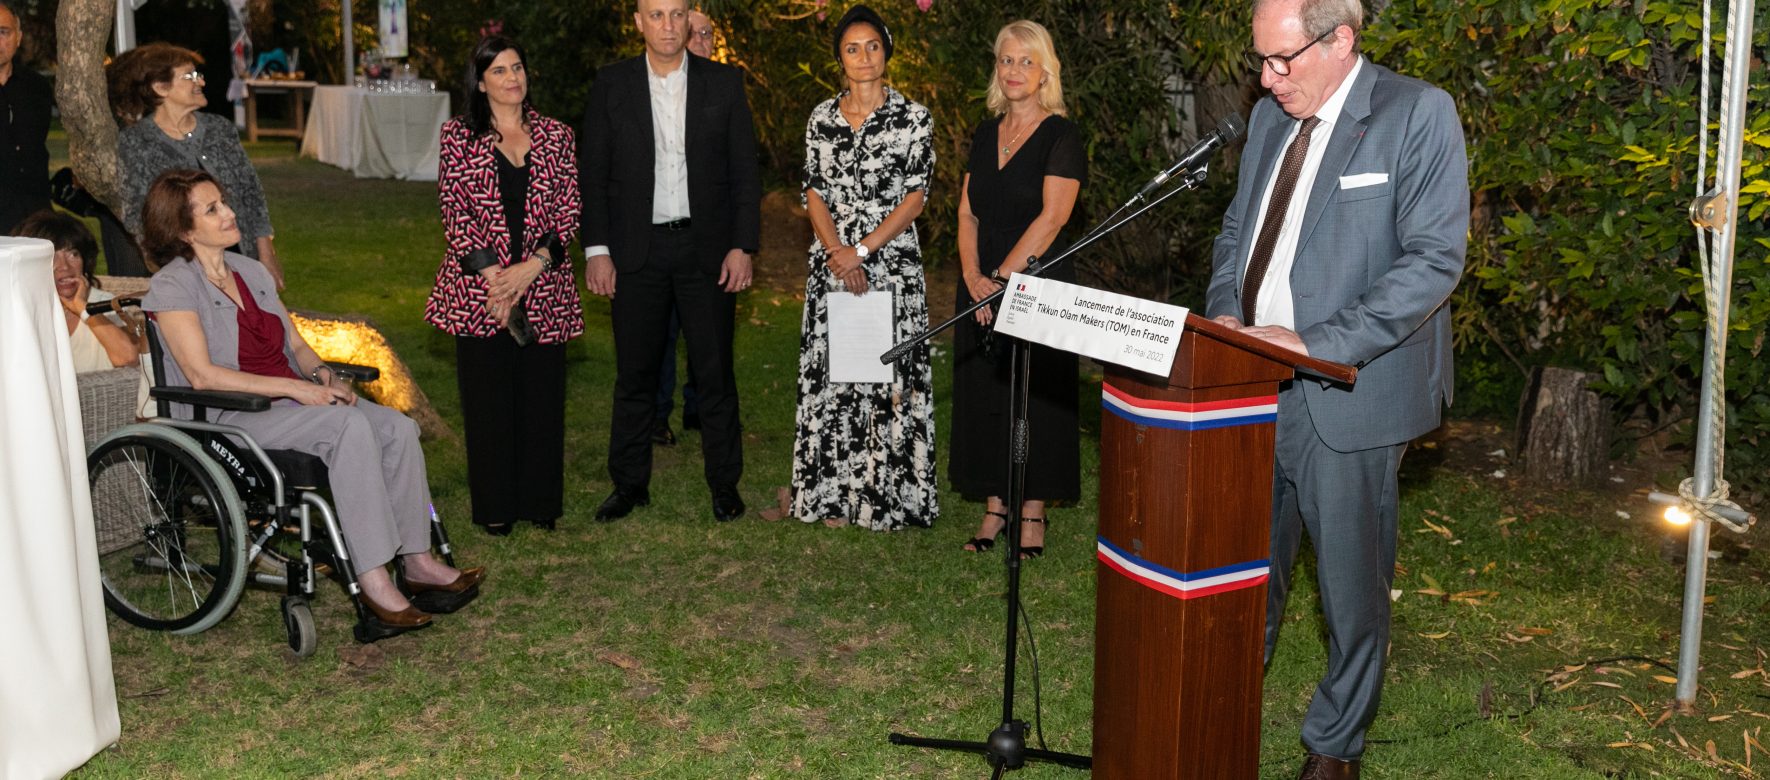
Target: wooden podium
<point>1185,512</point>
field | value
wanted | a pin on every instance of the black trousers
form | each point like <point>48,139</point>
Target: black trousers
<point>671,277</point>
<point>513,404</point>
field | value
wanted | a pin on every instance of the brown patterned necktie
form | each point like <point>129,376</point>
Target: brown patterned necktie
<point>1276,208</point>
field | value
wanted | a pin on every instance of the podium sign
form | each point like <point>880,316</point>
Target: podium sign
<point>1185,512</point>
<point>1106,326</point>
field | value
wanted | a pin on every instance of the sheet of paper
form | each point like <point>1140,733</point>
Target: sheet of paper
<point>860,331</point>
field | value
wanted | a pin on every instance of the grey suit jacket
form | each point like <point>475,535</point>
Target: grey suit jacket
<point>1375,265</point>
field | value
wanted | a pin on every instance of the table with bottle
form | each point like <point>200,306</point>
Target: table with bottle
<point>386,125</point>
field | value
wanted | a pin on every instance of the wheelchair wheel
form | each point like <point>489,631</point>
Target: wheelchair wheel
<point>298,622</point>
<point>171,532</point>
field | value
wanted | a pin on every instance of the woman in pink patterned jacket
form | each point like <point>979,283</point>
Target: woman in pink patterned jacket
<point>508,187</point>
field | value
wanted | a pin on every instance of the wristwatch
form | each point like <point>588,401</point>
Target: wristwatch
<point>860,251</point>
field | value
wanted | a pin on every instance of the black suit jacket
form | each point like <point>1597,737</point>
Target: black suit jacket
<point>616,163</point>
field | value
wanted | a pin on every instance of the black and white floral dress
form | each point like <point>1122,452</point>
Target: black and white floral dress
<point>865,452</point>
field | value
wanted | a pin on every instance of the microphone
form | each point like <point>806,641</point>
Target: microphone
<point>1229,128</point>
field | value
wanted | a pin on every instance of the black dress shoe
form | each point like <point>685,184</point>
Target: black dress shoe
<point>1319,767</point>
<point>727,504</point>
<point>621,503</point>
<point>497,529</point>
<point>661,434</point>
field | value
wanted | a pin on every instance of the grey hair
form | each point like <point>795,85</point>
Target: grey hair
<point>1320,17</point>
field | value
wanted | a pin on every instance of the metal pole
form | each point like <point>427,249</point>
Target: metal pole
<point>349,38</point>
<point>1735,78</point>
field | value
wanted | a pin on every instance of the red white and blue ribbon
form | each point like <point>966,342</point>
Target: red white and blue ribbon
<point>1183,416</point>
<point>1183,585</point>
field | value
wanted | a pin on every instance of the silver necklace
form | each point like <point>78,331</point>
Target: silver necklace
<point>1007,148</point>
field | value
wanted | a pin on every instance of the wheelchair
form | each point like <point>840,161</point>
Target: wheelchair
<point>190,512</point>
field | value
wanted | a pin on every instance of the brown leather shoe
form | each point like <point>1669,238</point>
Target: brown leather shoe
<point>404,620</point>
<point>465,581</point>
<point>449,598</point>
<point>1320,767</point>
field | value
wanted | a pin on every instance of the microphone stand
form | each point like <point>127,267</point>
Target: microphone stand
<point>1006,747</point>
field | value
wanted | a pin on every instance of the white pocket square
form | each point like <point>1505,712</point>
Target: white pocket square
<point>1362,180</point>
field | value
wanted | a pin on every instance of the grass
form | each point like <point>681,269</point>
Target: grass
<point>667,646</point>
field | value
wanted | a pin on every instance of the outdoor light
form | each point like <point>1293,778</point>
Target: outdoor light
<point>1677,516</point>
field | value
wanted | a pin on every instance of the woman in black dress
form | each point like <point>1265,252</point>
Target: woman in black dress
<point>1026,169</point>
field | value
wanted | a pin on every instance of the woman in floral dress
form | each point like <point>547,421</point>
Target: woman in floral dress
<point>864,453</point>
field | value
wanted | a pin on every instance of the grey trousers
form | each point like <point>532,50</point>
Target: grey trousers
<point>376,466</point>
<point>1348,503</point>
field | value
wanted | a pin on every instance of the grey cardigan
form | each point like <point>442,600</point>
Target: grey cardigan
<point>180,286</point>
<point>145,152</point>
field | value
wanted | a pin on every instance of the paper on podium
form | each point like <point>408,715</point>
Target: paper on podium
<point>860,331</point>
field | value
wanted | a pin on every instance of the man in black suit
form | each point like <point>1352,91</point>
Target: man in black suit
<point>672,214</point>
<point>25,102</point>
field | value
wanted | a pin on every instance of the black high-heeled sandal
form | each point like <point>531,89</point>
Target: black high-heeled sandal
<point>1029,553</point>
<point>981,544</point>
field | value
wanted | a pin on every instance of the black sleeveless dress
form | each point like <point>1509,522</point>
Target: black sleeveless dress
<point>1005,202</point>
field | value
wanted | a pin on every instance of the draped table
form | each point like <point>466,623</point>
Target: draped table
<point>58,703</point>
<point>382,135</point>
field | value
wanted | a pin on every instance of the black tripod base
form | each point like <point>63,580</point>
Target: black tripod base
<point>1006,748</point>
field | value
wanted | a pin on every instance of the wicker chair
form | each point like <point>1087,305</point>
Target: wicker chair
<point>107,401</point>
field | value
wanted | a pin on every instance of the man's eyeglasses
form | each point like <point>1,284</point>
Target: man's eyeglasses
<point>1281,63</point>
<point>195,75</point>
<point>703,33</point>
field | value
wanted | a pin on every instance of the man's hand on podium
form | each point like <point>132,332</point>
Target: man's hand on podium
<point>1229,321</point>
<point>1280,335</point>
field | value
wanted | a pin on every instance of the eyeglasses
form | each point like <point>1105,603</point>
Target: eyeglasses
<point>195,75</point>
<point>1281,63</point>
<point>703,33</point>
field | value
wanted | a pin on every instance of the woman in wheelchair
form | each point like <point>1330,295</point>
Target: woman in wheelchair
<point>220,319</point>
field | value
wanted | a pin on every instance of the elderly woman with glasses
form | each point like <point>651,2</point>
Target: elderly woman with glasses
<point>157,91</point>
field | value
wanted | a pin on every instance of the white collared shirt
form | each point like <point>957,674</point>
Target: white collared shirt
<point>1273,304</point>
<point>669,112</point>
<point>669,133</point>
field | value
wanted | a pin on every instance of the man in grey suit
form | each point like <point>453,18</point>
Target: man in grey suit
<point>1357,269</point>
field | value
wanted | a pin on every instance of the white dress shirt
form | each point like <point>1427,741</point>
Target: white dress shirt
<point>1272,306</point>
<point>669,133</point>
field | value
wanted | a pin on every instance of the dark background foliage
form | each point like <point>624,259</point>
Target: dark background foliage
<point>1580,117</point>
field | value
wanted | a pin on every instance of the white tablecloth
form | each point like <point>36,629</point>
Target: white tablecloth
<point>58,704</point>
<point>376,134</point>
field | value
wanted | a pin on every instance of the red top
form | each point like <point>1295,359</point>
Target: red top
<point>261,338</point>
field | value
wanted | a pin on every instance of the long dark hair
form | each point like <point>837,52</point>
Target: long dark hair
<point>479,107</point>
<point>166,214</point>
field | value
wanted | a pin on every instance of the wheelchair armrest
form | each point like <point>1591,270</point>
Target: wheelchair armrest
<point>355,373</point>
<point>212,399</point>
<point>110,305</point>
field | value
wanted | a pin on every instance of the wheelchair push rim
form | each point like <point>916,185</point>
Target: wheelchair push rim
<point>170,529</point>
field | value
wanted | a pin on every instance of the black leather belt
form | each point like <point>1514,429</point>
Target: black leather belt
<point>673,225</point>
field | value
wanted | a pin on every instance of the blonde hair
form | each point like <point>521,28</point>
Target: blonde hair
<point>1037,39</point>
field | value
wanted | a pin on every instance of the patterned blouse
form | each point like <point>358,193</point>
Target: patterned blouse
<point>474,225</point>
<point>861,176</point>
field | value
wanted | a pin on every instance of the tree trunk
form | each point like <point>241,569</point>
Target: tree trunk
<point>1563,429</point>
<point>83,32</point>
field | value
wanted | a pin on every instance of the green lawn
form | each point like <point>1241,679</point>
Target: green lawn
<point>668,646</point>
